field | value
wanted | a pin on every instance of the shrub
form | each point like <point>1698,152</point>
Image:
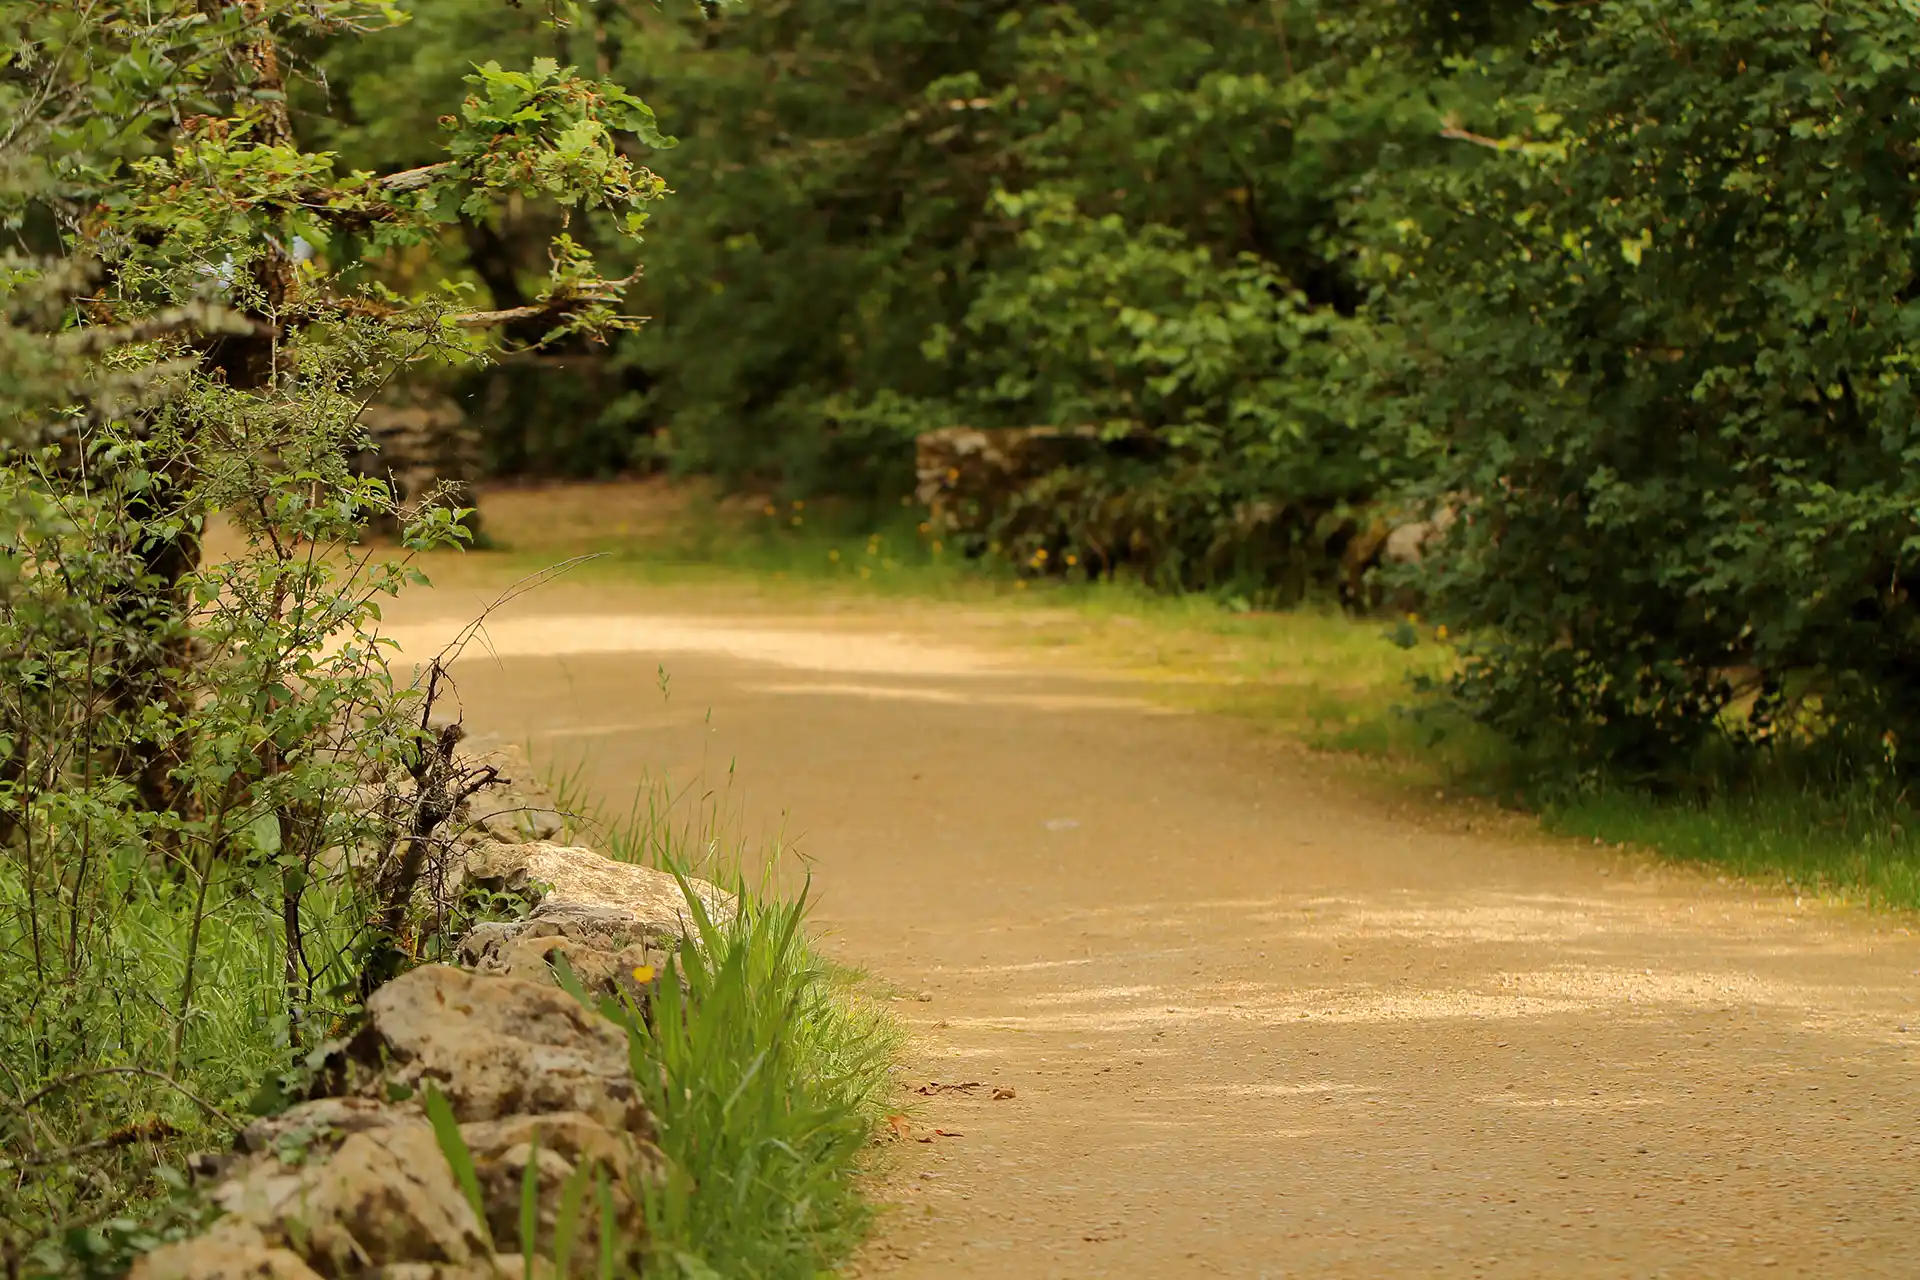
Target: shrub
<point>195,882</point>
<point>1665,333</point>
<point>1229,463</point>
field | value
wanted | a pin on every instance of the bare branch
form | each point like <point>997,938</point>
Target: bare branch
<point>26,1103</point>
<point>414,179</point>
<point>1453,133</point>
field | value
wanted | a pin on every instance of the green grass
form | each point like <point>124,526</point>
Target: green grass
<point>1800,840</point>
<point>767,1078</point>
<point>767,1075</point>
<point>701,541</point>
<point>89,1171</point>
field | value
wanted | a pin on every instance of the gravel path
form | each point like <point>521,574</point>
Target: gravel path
<point>1221,1007</point>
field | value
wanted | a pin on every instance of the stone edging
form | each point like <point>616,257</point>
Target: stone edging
<point>354,1183</point>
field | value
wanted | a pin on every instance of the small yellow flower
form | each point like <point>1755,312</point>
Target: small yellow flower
<point>953,473</point>
<point>924,526</point>
<point>799,505</point>
<point>1041,555</point>
<point>1414,618</point>
<point>834,555</point>
<point>936,548</point>
<point>770,509</point>
<point>1440,632</point>
<point>1020,585</point>
<point>865,572</point>
<point>643,973</point>
<point>1072,560</point>
<point>797,521</point>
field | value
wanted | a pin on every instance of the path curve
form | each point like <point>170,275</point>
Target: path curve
<point>1253,1020</point>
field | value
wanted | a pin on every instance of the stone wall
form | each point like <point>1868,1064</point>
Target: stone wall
<point>355,1182</point>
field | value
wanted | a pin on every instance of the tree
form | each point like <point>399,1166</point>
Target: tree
<point>199,307</point>
<point>1661,328</point>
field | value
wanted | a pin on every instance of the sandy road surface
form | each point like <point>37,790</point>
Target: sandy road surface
<point>1255,1021</point>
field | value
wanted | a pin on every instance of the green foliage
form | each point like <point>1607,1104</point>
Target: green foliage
<point>864,255</point>
<point>1628,286</point>
<point>765,1089</point>
<point>215,802</point>
<point>1216,385</point>
<point>1664,334</point>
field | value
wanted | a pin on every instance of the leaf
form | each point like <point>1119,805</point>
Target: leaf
<point>446,1130</point>
<point>566,1225</point>
<point>530,1206</point>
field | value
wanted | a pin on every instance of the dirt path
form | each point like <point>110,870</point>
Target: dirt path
<point>1254,1022</point>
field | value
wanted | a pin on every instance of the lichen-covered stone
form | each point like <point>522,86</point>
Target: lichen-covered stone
<point>569,876</point>
<point>386,1195</point>
<point>232,1250</point>
<point>494,1046</point>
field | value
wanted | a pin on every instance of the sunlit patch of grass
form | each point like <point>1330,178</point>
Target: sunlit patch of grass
<point>1848,842</point>
<point>659,534</point>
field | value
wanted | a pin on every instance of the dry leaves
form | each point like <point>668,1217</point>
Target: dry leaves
<point>932,1087</point>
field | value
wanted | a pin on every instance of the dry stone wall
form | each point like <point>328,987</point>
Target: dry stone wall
<point>354,1184</point>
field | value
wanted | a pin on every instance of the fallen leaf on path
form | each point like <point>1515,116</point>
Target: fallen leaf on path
<point>899,1126</point>
<point>947,1133</point>
<point>1001,1095</point>
<point>932,1087</point>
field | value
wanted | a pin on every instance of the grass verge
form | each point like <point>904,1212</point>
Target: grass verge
<point>766,1069</point>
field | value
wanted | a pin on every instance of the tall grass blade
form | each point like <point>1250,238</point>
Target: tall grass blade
<point>530,1207</point>
<point>446,1130</point>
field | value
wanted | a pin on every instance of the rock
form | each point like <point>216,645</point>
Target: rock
<point>518,806</point>
<point>232,1250</point>
<point>423,446</point>
<point>1408,543</point>
<point>970,477</point>
<point>632,970</point>
<point>1388,538</point>
<point>386,1196</point>
<point>495,1046</point>
<point>607,928</point>
<point>578,877</point>
<point>515,1266</point>
<point>318,1126</point>
<point>1359,556</point>
<point>502,1149</point>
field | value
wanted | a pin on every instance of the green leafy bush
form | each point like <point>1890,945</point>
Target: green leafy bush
<point>1664,334</point>
<point>1214,384</point>
<point>216,805</point>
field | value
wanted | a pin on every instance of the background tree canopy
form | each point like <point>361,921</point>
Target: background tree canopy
<point>1627,288</point>
<point>1628,285</point>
